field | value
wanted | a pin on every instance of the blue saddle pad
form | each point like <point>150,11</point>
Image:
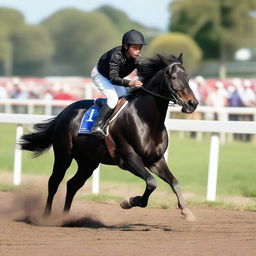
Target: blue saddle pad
<point>88,119</point>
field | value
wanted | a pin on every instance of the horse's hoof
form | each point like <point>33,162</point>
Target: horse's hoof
<point>188,215</point>
<point>126,204</point>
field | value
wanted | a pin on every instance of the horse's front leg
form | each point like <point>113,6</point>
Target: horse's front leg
<point>134,164</point>
<point>161,169</point>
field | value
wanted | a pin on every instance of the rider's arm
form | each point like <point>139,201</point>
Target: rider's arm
<point>115,62</point>
<point>114,65</point>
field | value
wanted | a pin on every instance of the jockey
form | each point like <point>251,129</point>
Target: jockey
<point>108,75</point>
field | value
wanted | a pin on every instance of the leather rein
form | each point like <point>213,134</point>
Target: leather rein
<point>175,98</point>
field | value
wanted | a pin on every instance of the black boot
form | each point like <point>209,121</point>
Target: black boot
<point>100,121</point>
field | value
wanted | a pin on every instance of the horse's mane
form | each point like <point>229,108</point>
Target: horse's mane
<point>148,67</point>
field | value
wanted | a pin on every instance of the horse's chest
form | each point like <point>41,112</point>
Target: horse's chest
<point>153,150</point>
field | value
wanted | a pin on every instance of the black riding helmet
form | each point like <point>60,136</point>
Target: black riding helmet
<point>133,37</point>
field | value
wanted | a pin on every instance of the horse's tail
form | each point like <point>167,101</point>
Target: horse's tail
<point>41,139</point>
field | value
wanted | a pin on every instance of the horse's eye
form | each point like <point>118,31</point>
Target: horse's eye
<point>173,77</point>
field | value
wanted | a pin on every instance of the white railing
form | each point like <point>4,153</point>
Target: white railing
<point>11,105</point>
<point>214,127</point>
<point>8,106</point>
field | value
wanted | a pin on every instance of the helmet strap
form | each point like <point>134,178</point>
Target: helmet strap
<point>126,46</point>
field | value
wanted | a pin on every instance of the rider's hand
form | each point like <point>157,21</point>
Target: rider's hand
<point>135,83</point>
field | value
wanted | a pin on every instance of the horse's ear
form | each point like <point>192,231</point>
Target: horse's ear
<point>180,58</point>
<point>163,59</point>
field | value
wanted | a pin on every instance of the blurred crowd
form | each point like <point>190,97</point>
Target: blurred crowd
<point>232,92</point>
<point>72,88</point>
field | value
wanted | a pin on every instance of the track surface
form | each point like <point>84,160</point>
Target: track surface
<point>106,229</point>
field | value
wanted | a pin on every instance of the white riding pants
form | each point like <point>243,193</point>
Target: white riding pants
<point>110,91</point>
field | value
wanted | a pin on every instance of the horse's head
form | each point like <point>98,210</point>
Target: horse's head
<point>177,82</point>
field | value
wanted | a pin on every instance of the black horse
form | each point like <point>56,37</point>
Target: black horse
<point>139,134</point>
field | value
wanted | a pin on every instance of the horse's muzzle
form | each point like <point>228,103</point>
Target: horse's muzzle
<point>190,106</point>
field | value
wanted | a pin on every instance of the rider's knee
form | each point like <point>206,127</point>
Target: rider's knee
<point>112,101</point>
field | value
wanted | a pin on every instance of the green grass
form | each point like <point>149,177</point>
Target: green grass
<point>236,169</point>
<point>8,187</point>
<point>188,160</point>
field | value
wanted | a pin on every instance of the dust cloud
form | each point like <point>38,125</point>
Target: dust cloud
<point>27,206</point>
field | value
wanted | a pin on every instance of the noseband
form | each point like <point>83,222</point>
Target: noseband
<point>176,99</point>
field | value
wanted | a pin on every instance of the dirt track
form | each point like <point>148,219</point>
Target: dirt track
<point>106,229</point>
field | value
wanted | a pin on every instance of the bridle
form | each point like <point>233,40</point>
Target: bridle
<point>175,99</point>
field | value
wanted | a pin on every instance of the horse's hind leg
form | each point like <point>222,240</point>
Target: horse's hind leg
<point>61,164</point>
<point>85,170</point>
<point>161,169</point>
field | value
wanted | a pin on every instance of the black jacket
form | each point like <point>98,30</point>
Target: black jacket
<point>114,65</point>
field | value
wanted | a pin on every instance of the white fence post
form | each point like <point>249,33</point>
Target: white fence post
<point>96,181</point>
<point>17,158</point>
<point>213,168</point>
<point>48,108</point>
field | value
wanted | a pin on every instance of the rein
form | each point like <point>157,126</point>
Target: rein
<point>156,94</point>
<point>175,97</point>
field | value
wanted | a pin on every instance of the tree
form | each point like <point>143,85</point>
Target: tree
<point>11,18</point>
<point>220,27</point>
<point>32,51</point>
<point>24,50</point>
<point>123,23</point>
<point>80,39</point>
<point>174,44</point>
<point>5,51</point>
<point>10,21</point>
<point>120,19</point>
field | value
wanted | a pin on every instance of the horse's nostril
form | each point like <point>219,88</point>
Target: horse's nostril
<point>191,103</point>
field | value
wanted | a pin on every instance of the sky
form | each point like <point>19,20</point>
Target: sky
<point>152,13</point>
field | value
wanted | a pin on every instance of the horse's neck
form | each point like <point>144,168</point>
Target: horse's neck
<point>153,106</point>
<point>154,83</point>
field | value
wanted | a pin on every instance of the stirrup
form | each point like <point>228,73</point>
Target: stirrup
<point>98,132</point>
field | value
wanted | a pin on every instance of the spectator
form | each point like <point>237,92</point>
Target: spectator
<point>249,97</point>
<point>3,92</point>
<point>218,97</point>
<point>3,95</point>
<point>196,90</point>
<point>234,98</point>
<point>19,93</point>
<point>203,89</point>
<point>47,95</point>
<point>241,97</point>
<point>63,95</point>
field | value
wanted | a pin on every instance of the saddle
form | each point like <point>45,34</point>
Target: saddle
<point>122,102</point>
<point>90,115</point>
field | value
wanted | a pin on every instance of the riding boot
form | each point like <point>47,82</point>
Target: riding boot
<point>98,126</point>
